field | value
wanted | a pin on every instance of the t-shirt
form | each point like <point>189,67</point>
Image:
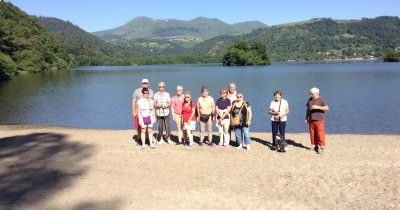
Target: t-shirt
<point>137,94</point>
<point>187,111</point>
<point>177,103</point>
<point>146,107</point>
<point>280,106</point>
<point>315,114</point>
<point>162,99</point>
<point>205,105</point>
<point>223,104</point>
<point>232,96</point>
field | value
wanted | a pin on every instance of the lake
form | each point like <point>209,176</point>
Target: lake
<point>363,97</point>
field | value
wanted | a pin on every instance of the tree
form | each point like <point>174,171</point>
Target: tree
<point>242,55</point>
<point>392,56</point>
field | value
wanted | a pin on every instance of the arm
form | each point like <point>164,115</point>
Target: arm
<point>323,108</point>
<point>250,115</point>
<point>139,114</point>
<point>133,106</point>
<point>228,111</point>
<point>307,116</point>
<point>193,112</point>
<point>286,112</point>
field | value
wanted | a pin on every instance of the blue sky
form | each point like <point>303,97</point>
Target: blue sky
<point>93,15</point>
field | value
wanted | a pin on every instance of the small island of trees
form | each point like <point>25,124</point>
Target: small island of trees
<point>243,55</point>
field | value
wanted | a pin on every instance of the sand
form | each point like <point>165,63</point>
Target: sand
<point>44,167</point>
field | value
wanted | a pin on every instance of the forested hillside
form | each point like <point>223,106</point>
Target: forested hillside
<point>38,44</point>
<point>318,39</point>
<point>88,49</point>
<point>26,47</point>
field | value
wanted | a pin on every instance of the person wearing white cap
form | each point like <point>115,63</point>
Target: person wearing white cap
<point>316,108</point>
<point>137,94</point>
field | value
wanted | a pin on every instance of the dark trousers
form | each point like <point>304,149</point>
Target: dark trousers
<point>278,126</point>
<point>163,122</point>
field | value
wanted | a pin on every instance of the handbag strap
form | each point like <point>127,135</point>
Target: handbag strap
<point>280,101</point>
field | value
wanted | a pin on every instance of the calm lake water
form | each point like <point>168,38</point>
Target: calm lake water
<point>363,97</point>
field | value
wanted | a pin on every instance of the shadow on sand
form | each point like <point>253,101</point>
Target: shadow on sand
<point>35,166</point>
<point>288,141</point>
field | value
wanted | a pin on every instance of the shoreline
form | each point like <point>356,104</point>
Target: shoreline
<point>215,132</point>
<point>54,167</point>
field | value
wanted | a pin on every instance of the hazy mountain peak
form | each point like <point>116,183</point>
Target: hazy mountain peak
<point>200,28</point>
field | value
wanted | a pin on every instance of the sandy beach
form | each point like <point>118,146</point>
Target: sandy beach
<point>44,167</point>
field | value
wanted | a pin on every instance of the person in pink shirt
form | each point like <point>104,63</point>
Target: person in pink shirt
<point>176,106</point>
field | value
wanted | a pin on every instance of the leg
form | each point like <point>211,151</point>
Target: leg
<point>143,136</point>
<point>190,134</point>
<point>150,133</point>
<point>221,134</point>
<point>282,130</point>
<point>160,125</point>
<point>178,122</point>
<point>168,129</point>
<point>238,134</point>
<point>321,133</point>
<point>274,126</point>
<point>311,128</point>
<point>246,131</point>
<point>209,129</point>
<point>202,130</point>
<point>225,126</point>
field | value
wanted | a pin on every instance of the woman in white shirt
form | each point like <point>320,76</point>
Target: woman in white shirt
<point>146,117</point>
<point>278,109</point>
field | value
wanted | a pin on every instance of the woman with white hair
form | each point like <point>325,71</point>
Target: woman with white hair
<point>316,108</point>
<point>176,107</point>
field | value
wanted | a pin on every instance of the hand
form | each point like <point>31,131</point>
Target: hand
<point>315,107</point>
<point>306,121</point>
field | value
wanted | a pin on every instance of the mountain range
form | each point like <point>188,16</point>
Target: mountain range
<point>197,30</point>
<point>30,44</point>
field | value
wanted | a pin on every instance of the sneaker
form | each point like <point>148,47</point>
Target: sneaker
<point>160,142</point>
<point>248,147</point>
<point>285,149</point>
<point>201,143</point>
<point>143,146</point>
<point>226,146</point>
<point>320,150</point>
<point>239,147</point>
<point>152,146</point>
<point>169,140</point>
<point>189,146</point>
<point>316,149</point>
<point>273,147</point>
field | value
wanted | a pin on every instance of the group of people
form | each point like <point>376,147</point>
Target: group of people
<point>230,112</point>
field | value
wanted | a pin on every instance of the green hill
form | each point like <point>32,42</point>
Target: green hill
<point>89,49</point>
<point>26,47</point>
<point>317,39</point>
<point>152,37</point>
<point>198,29</point>
<point>38,44</point>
